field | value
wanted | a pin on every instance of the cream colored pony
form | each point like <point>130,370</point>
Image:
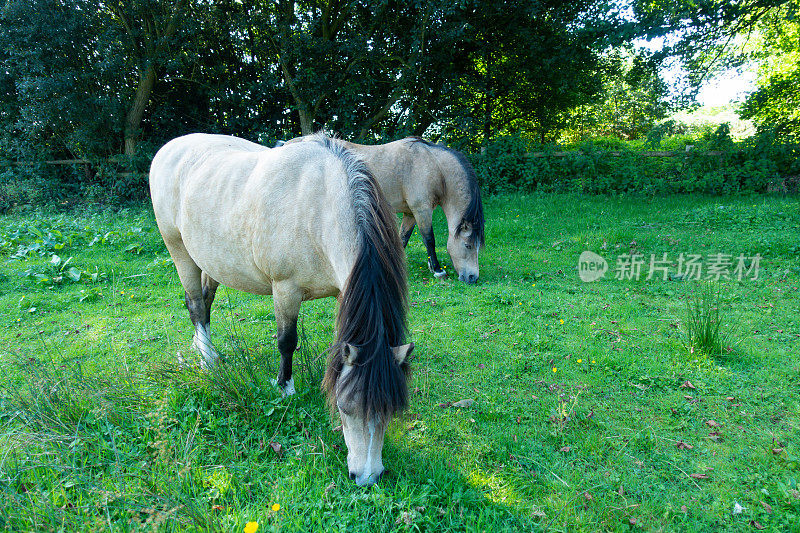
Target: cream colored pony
<point>300,222</point>
<point>416,176</point>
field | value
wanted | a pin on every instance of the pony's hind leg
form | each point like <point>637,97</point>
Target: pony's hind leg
<point>407,228</point>
<point>425,221</point>
<point>287,299</point>
<point>200,313</point>
<point>209,285</point>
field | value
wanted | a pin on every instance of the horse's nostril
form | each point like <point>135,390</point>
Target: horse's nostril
<point>352,476</point>
<point>472,278</point>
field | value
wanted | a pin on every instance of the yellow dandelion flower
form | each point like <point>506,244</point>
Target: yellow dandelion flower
<point>561,320</point>
<point>592,361</point>
<point>580,360</point>
<point>276,507</point>
<point>555,369</point>
<point>251,527</point>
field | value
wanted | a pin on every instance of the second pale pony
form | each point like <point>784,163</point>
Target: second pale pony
<point>416,176</point>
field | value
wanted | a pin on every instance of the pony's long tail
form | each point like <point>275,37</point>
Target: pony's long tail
<point>373,304</point>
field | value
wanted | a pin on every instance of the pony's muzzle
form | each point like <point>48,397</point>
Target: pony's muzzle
<point>468,277</point>
<point>366,479</point>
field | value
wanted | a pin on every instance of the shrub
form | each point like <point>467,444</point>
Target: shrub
<point>763,163</point>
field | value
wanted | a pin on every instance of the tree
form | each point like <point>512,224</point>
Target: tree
<point>84,70</point>
<point>776,102</point>
<point>148,36</point>
<point>707,35</point>
<point>529,63</point>
<point>704,35</point>
<point>345,64</point>
<point>634,98</point>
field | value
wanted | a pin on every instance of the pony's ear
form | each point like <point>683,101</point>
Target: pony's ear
<point>465,228</point>
<point>402,354</point>
<point>349,354</point>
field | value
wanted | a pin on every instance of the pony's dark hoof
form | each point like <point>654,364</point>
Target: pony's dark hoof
<point>440,274</point>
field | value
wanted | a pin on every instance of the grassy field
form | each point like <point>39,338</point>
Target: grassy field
<point>591,411</point>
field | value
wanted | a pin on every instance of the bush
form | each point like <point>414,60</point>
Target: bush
<point>116,182</point>
<point>763,163</point>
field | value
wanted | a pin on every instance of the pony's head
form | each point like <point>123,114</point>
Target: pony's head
<point>463,248</point>
<point>466,231</point>
<point>363,425</point>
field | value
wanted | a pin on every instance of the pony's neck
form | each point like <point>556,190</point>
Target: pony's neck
<point>456,198</point>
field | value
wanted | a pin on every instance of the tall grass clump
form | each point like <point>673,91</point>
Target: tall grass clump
<point>705,330</point>
<point>244,379</point>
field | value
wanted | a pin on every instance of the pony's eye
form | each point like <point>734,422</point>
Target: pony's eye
<point>468,246</point>
<point>346,412</point>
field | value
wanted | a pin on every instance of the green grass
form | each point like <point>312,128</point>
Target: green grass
<point>583,392</point>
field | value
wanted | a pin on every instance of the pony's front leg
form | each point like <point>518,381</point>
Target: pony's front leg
<point>287,299</point>
<point>425,222</point>
<point>201,340</point>
<point>198,300</point>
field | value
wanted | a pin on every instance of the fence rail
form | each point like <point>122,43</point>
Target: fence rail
<point>53,162</point>
<point>532,155</point>
<point>87,165</point>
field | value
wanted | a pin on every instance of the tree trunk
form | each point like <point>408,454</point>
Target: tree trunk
<point>378,116</point>
<point>488,102</point>
<point>306,121</point>
<point>306,117</point>
<point>421,126</point>
<point>133,121</point>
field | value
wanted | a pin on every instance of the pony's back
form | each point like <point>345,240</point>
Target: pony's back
<point>248,215</point>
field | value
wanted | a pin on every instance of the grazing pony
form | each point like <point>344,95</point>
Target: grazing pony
<point>299,222</point>
<point>416,176</point>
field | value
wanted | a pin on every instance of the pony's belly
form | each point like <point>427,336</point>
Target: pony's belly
<point>314,280</point>
<point>239,279</point>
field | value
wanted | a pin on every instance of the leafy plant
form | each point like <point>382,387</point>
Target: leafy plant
<point>56,272</point>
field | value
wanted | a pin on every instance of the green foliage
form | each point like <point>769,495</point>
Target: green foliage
<point>507,170</point>
<point>109,83</point>
<point>774,105</point>
<point>712,35</point>
<point>713,164</point>
<point>126,77</point>
<point>56,272</point>
<point>632,102</point>
<point>529,82</point>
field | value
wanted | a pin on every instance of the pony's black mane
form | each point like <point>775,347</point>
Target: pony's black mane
<point>473,214</point>
<point>373,304</point>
